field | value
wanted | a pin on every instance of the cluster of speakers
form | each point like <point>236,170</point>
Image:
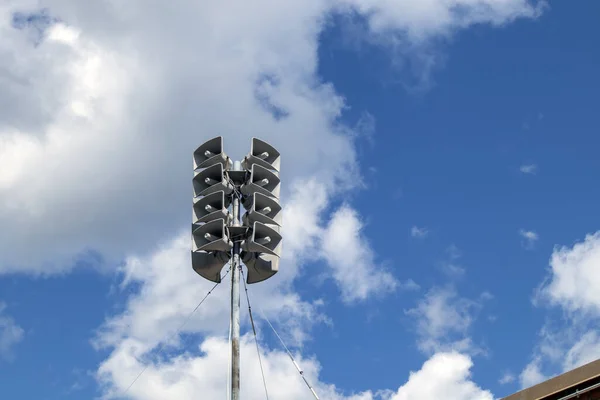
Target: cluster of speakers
<point>258,187</point>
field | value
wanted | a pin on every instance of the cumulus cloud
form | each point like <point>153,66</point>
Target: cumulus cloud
<point>102,106</point>
<point>120,135</point>
<point>186,375</point>
<point>165,289</point>
<point>350,257</point>
<point>443,321</point>
<point>574,277</point>
<point>445,375</point>
<point>529,238</point>
<point>10,333</point>
<point>303,217</point>
<point>169,288</point>
<point>115,106</point>
<point>572,285</point>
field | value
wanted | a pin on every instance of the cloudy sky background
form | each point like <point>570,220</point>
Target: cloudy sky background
<point>439,158</point>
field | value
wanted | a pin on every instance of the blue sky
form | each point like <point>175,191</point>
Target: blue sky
<point>438,179</point>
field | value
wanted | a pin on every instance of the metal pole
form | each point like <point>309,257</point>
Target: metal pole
<point>235,303</point>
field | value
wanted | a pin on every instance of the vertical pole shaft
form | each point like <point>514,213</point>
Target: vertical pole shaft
<point>235,303</point>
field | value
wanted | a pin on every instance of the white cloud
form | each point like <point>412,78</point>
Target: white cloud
<point>443,321</point>
<point>529,238</point>
<point>417,232</point>
<point>168,289</point>
<point>104,112</point>
<point>529,169</point>
<point>574,277</point>
<point>585,350</point>
<point>507,377</point>
<point>443,376</point>
<point>412,30</point>
<point>350,257</point>
<point>422,20</point>
<point>186,375</point>
<point>10,333</point>
<point>116,106</point>
<point>563,345</point>
<point>303,219</point>
<point>531,374</point>
<point>572,285</point>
